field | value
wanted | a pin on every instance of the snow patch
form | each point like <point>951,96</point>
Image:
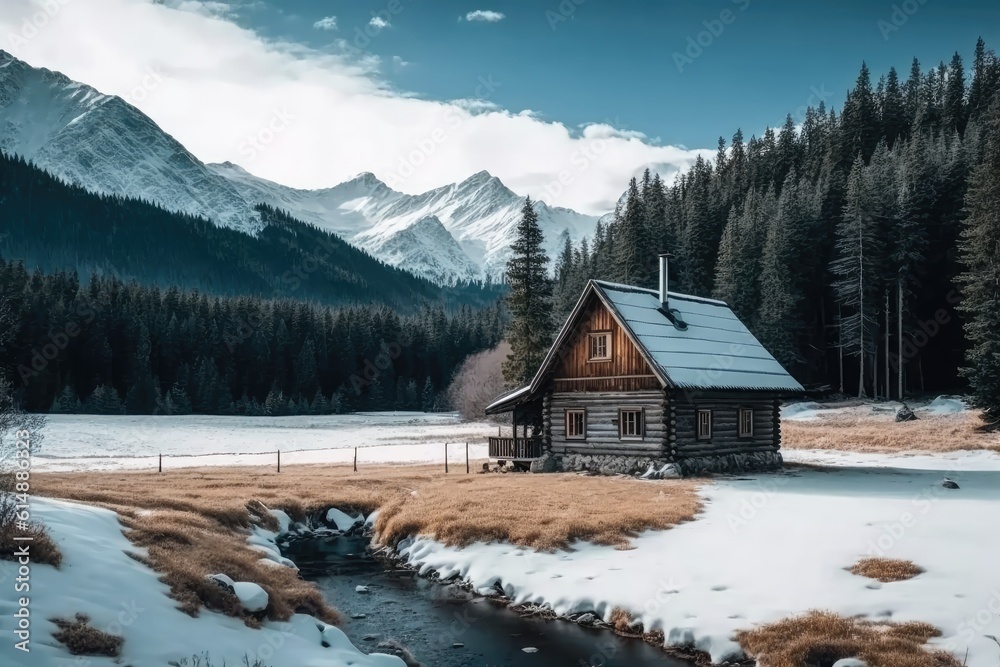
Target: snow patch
<point>343,521</point>
<point>773,546</point>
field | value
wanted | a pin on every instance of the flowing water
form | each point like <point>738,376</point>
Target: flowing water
<point>442,625</point>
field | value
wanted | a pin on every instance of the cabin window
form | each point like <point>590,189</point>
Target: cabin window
<point>600,346</point>
<point>704,424</point>
<point>576,424</point>
<point>746,423</point>
<point>630,424</point>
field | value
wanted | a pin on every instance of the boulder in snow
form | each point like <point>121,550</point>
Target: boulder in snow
<point>252,597</point>
<point>905,414</point>
<point>223,582</point>
<point>360,589</point>
<point>949,483</point>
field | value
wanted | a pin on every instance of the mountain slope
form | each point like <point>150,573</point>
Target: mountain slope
<point>481,213</point>
<point>58,227</point>
<point>105,145</point>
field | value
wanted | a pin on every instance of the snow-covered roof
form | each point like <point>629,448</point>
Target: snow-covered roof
<point>505,401</point>
<point>700,346</point>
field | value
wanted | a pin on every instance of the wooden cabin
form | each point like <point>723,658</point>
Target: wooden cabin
<point>640,379</point>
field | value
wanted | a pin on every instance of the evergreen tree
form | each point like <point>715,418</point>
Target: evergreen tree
<point>980,248</point>
<point>781,322</point>
<point>529,300</point>
<point>427,396</point>
<point>857,286</point>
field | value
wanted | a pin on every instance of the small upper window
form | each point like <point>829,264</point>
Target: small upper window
<point>630,424</point>
<point>576,425</point>
<point>746,423</point>
<point>704,424</point>
<point>600,346</point>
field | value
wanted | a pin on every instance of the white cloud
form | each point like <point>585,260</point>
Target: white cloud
<point>487,15</point>
<point>378,22</point>
<point>326,23</point>
<point>228,83</point>
<point>399,62</point>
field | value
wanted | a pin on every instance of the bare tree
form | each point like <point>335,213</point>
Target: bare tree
<point>478,381</point>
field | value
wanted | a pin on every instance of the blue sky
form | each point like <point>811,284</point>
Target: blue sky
<point>616,62</point>
<point>564,100</point>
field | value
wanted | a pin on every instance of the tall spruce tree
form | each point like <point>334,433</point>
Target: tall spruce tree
<point>529,300</point>
<point>980,248</point>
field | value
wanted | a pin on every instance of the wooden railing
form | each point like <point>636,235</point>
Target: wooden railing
<point>514,449</point>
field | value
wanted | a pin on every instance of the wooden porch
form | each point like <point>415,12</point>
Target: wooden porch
<point>515,448</point>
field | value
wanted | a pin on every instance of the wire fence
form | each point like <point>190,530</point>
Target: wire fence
<point>449,454</point>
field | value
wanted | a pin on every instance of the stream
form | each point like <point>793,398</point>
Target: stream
<point>443,625</point>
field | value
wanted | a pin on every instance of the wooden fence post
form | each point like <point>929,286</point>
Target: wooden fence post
<point>279,460</point>
<point>446,458</point>
<point>466,458</point>
<point>355,459</point>
<point>161,463</point>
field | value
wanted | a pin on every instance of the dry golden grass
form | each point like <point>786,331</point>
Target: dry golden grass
<point>42,548</point>
<point>886,569</point>
<point>82,639</point>
<point>822,638</point>
<point>193,521</point>
<point>864,431</point>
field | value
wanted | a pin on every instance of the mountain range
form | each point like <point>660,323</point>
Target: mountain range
<point>454,233</point>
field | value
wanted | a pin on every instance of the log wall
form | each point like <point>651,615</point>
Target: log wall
<point>725,425</point>
<point>602,434</point>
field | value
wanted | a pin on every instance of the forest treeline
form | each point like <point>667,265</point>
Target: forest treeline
<point>110,347</point>
<point>55,226</point>
<point>845,241</point>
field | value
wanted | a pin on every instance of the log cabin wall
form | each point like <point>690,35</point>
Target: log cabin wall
<point>602,414</point>
<point>626,370</point>
<point>725,425</point>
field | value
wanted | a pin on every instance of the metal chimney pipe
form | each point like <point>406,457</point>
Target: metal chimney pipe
<point>664,278</point>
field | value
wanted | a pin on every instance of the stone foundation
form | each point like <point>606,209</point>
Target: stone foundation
<point>608,464</point>
<point>731,463</point>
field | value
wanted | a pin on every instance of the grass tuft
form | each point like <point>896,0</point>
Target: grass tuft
<point>42,548</point>
<point>81,639</point>
<point>886,569</point>
<point>823,638</point>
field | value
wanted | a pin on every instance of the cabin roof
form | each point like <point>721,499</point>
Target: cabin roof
<point>699,344</point>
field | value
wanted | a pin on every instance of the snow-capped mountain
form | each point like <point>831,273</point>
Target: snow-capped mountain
<point>106,145</point>
<point>456,232</point>
<point>480,213</point>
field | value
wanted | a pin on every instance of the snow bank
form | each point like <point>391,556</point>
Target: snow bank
<point>343,521</point>
<point>124,597</point>
<point>780,545</point>
<point>944,405</point>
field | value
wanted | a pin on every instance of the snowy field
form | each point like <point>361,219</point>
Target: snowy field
<point>884,411</point>
<point>777,545</point>
<point>89,442</point>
